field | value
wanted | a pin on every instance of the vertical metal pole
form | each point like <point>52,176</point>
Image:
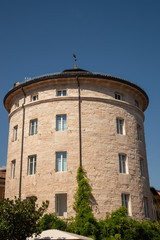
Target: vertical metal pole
<point>80,133</point>
<point>22,143</point>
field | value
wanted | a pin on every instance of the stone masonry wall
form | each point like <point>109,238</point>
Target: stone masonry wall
<point>100,145</point>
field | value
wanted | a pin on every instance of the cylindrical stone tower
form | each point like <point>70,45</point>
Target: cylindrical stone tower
<point>61,121</point>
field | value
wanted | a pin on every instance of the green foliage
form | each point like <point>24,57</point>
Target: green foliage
<point>51,221</point>
<point>116,227</point>
<point>119,226</point>
<point>19,219</point>
<point>84,222</point>
<point>83,194</point>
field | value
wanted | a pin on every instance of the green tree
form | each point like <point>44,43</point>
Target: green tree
<point>84,222</point>
<point>20,219</point>
<point>51,221</point>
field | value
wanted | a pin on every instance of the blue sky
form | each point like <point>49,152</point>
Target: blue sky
<point>118,38</point>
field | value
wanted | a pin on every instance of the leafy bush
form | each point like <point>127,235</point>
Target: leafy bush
<point>51,221</point>
<point>20,219</point>
<point>119,226</point>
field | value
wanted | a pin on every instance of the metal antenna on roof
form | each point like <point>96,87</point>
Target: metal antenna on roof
<point>75,59</point>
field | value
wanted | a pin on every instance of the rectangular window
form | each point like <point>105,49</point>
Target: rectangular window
<point>120,126</point>
<point>33,127</point>
<point>122,163</point>
<point>139,132</point>
<point>125,201</point>
<point>146,207</point>
<point>34,97</point>
<point>61,93</point>
<point>61,204</point>
<point>142,167</point>
<point>13,169</point>
<point>118,96</point>
<point>61,122</point>
<point>15,132</point>
<point>32,165</point>
<point>61,162</point>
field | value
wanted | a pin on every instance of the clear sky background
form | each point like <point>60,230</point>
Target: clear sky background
<point>118,38</point>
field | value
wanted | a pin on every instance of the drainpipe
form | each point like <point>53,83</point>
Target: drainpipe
<point>80,133</point>
<point>22,142</point>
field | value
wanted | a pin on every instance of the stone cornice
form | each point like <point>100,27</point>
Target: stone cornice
<point>81,75</point>
<point>95,99</point>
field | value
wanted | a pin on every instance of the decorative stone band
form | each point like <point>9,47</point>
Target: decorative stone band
<point>105,100</point>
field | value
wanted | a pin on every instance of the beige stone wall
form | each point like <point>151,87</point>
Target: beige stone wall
<point>100,144</point>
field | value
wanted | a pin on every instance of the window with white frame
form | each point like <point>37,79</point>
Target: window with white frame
<point>61,204</point>
<point>61,161</point>
<point>139,132</point>
<point>146,212</point>
<point>120,126</point>
<point>61,122</point>
<point>13,169</point>
<point>34,97</point>
<point>32,165</point>
<point>142,167</point>
<point>118,96</point>
<point>15,132</point>
<point>61,93</point>
<point>33,127</point>
<point>125,202</point>
<point>122,163</point>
